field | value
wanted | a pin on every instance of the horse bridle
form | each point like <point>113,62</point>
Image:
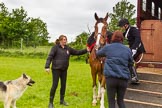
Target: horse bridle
<point>101,36</point>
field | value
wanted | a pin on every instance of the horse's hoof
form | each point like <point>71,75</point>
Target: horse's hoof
<point>94,104</point>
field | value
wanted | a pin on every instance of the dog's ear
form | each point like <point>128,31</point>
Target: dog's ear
<point>24,76</point>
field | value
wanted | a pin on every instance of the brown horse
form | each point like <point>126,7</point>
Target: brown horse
<point>97,63</point>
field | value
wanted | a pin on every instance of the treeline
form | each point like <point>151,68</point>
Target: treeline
<point>18,29</point>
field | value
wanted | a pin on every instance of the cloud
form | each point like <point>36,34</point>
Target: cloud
<point>68,17</point>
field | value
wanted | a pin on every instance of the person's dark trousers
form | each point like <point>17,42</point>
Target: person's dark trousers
<point>134,76</point>
<point>63,77</point>
<point>116,87</point>
<point>132,69</point>
<point>56,74</point>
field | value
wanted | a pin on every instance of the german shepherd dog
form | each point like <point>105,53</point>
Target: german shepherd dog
<point>10,91</point>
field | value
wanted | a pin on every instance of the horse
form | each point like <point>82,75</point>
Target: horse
<point>97,63</point>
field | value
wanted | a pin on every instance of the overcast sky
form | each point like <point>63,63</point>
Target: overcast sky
<point>68,17</point>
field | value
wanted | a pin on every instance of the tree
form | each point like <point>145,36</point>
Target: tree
<point>37,32</point>
<point>3,20</point>
<point>123,9</point>
<point>80,41</point>
<point>17,26</point>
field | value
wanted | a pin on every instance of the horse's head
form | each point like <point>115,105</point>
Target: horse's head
<point>100,30</point>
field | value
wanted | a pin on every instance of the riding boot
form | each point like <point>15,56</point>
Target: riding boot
<point>134,77</point>
<point>51,103</point>
<point>62,101</point>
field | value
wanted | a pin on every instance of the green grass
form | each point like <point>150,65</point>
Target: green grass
<point>30,52</point>
<point>43,49</point>
<point>79,83</point>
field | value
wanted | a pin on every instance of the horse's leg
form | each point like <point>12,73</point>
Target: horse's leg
<point>102,91</point>
<point>99,91</point>
<point>94,101</point>
<point>99,85</point>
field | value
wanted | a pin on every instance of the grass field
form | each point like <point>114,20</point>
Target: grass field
<point>79,83</point>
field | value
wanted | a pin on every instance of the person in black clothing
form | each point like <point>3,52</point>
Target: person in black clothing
<point>59,56</point>
<point>132,34</point>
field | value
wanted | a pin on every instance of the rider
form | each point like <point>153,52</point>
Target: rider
<point>132,34</point>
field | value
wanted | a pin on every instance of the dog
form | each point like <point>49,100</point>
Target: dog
<point>10,91</point>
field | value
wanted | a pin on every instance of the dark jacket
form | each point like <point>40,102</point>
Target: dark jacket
<point>134,39</point>
<point>60,56</point>
<point>118,58</point>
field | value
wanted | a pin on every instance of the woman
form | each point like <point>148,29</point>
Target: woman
<point>59,56</point>
<point>116,71</point>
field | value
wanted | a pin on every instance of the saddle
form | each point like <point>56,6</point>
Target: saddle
<point>91,40</point>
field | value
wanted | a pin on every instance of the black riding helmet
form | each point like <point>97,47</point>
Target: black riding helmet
<point>122,22</point>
